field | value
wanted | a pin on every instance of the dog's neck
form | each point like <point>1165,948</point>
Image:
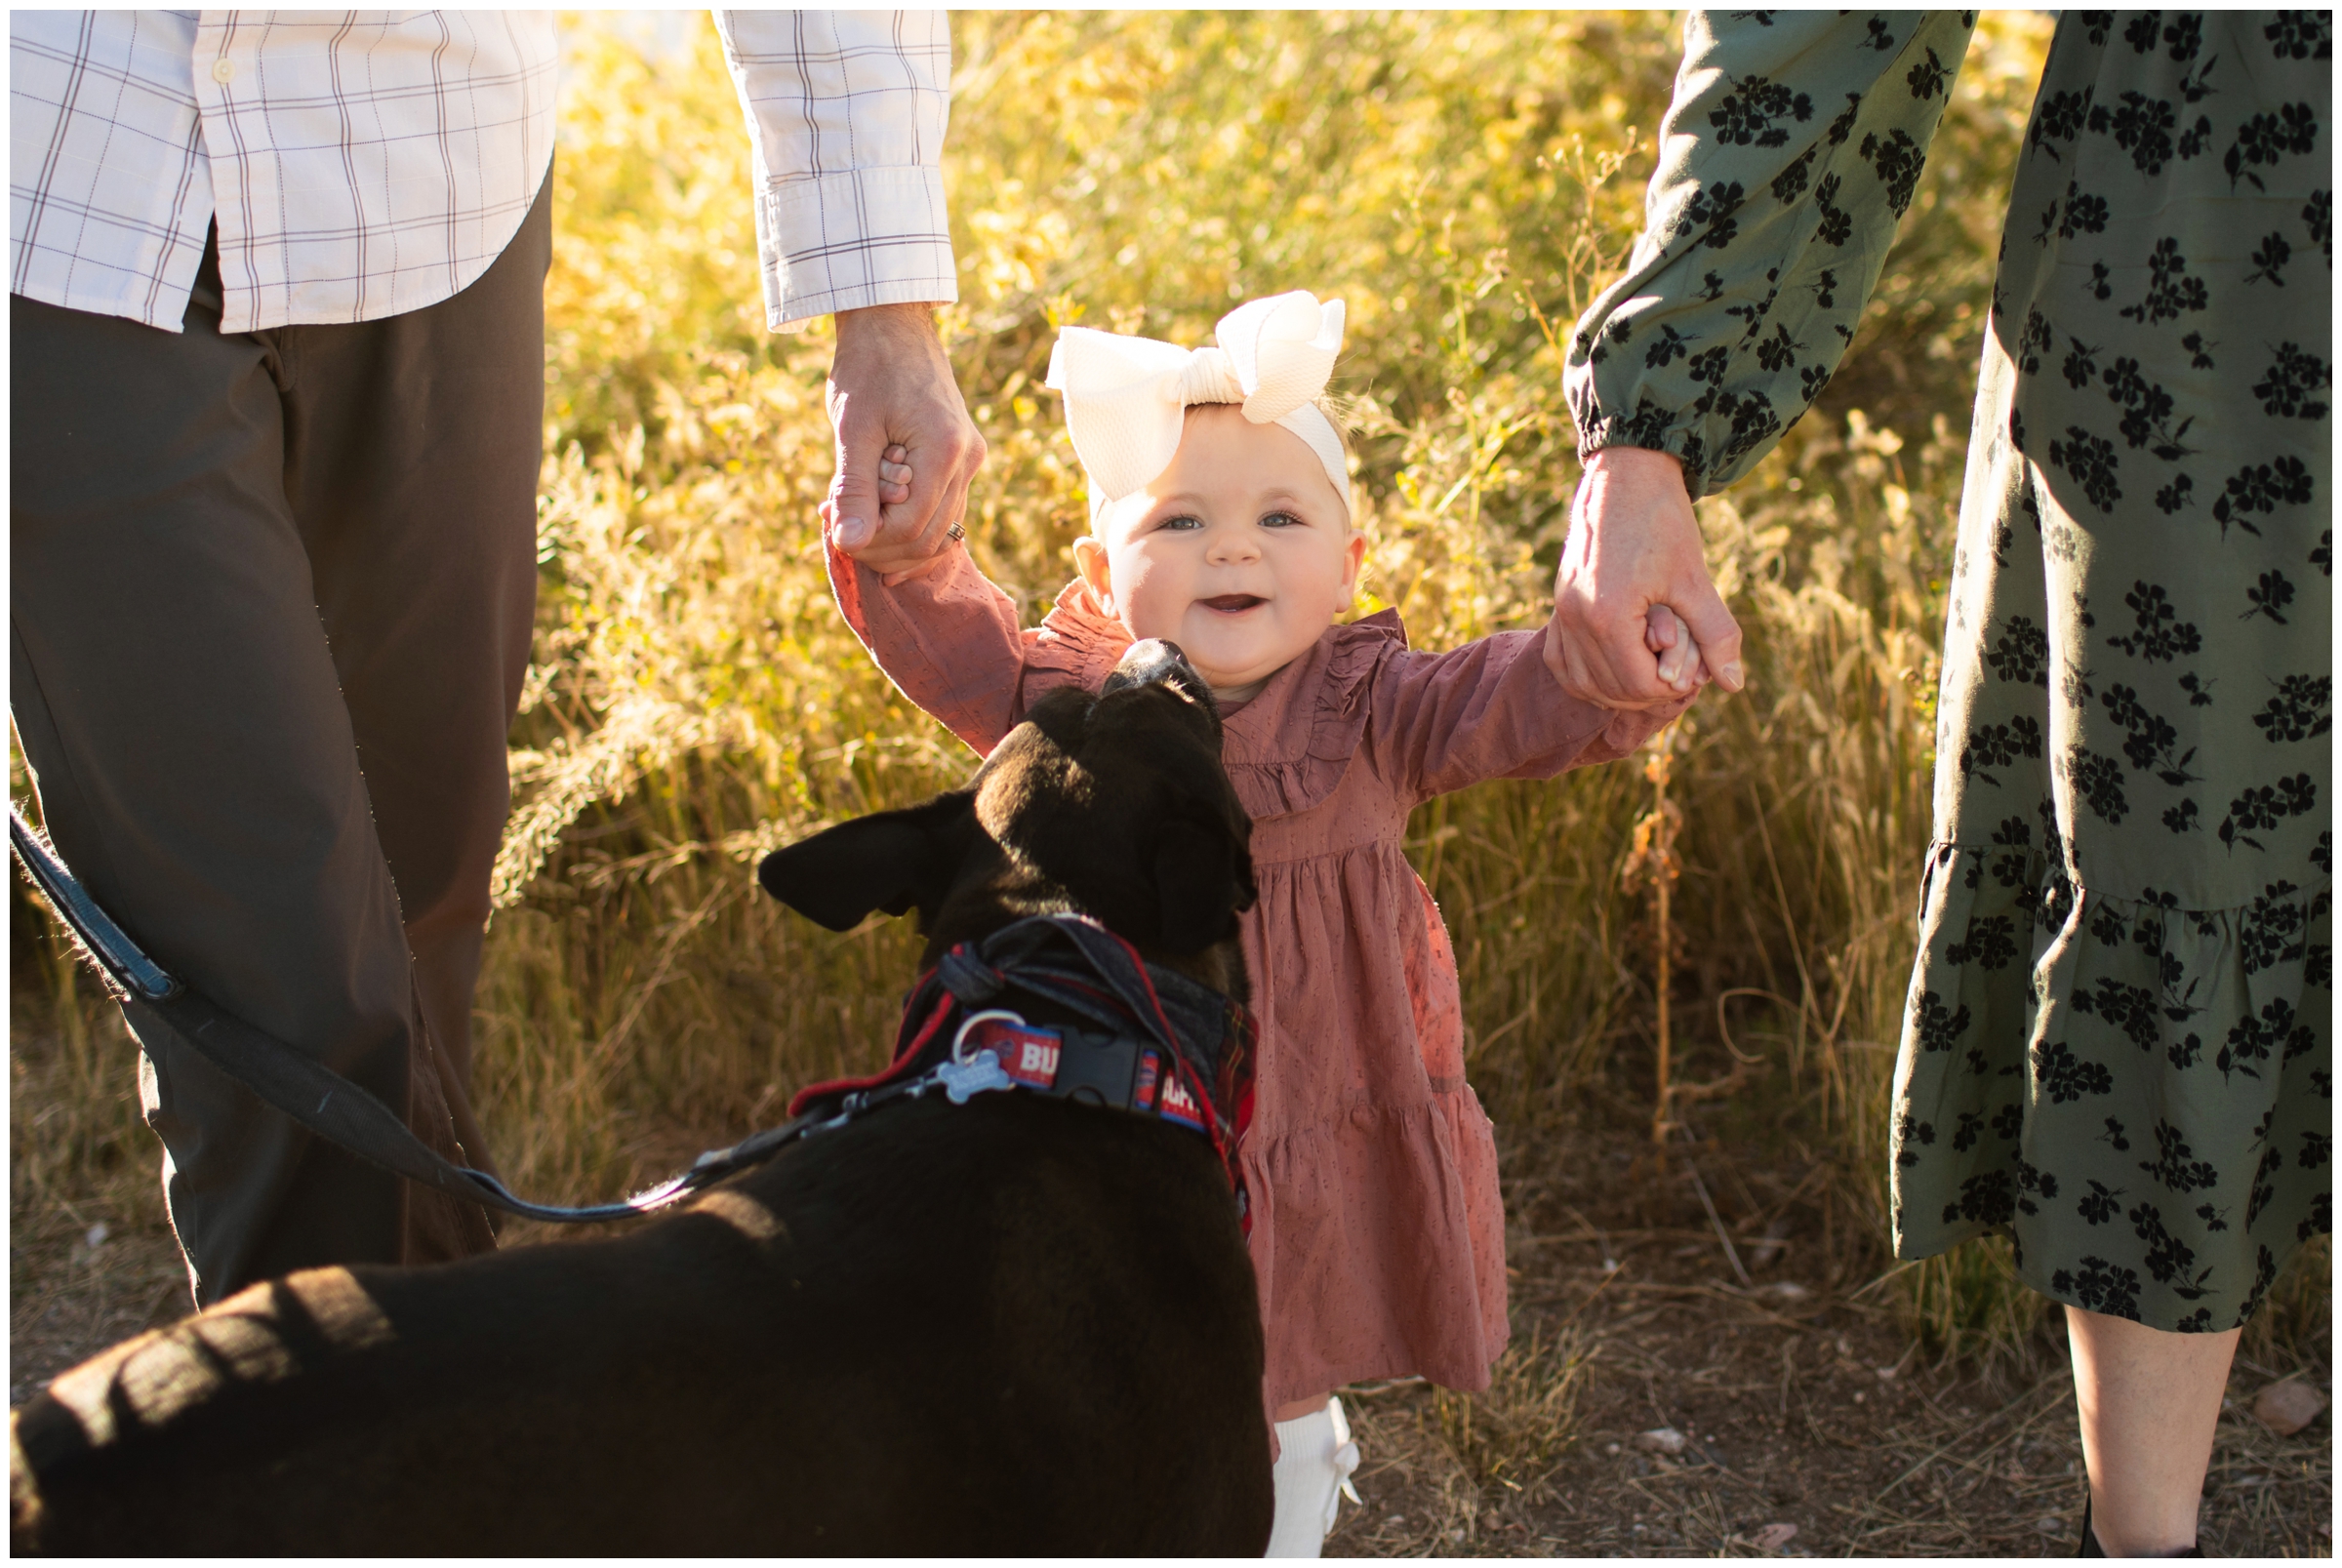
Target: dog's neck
<point>995,889</point>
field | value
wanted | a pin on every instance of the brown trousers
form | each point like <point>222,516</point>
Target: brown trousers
<point>269,613</point>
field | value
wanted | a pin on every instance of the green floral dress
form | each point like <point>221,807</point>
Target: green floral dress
<point>2118,1046</point>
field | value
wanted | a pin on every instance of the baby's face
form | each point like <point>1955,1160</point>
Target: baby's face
<point>1241,553</point>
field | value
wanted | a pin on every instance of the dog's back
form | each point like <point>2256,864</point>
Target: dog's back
<point>907,1338</point>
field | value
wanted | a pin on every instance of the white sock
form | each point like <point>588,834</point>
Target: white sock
<point>1313,1462</point>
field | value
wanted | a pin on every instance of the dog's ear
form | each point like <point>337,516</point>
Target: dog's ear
<point>892,861</point>
<point>1204,879</point>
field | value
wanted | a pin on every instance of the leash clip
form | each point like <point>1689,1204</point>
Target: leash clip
<point>967,1027</point>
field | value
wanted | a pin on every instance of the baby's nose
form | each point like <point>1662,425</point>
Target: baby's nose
<point>1232,544</point>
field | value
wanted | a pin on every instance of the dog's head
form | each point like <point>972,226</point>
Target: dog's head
<point>1114,804</point>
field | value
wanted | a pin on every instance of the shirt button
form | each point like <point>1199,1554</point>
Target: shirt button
<point>223,70</point>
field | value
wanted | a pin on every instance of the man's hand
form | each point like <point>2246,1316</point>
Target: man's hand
<point>896,408</point>
<point>1635,546</point>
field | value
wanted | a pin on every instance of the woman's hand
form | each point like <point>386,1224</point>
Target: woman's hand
<point>1634,581</point>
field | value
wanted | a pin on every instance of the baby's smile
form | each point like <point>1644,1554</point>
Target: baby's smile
<point>1232,603</point>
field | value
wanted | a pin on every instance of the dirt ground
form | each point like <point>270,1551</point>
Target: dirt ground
<point>1810,1424</point>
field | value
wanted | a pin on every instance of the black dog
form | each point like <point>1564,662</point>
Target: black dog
<point>1016,1324</point>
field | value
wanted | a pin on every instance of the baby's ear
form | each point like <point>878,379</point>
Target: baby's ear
<point>1090,560</point>
<point>1354,560</point>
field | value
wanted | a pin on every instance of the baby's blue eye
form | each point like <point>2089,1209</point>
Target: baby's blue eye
<point>1182,523</point>
<point>1282,520</point>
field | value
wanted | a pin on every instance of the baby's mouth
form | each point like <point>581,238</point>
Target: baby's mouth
<point>1232,603</point>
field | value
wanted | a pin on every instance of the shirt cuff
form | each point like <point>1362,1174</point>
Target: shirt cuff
<point>846,241</point>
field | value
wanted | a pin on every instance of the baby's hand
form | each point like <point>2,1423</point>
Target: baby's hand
<point>894,489</point>
<point>1679,662</point>
<point>894,475</point>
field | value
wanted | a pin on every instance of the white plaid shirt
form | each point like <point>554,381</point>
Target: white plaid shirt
<point>846,110</point>
<point>359,165</point>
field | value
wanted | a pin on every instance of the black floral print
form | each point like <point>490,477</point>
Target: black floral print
<point>2265,807</point>
<point>2170,291</point>
<point>2301,35</point>
<point>2093,463</point>
<point>2063,1077</point>
<point>2263,488</point>
<point>2284,388</point>
<point>2270,259</point>
<point>2266,137</point>
<point>2116,1041</point>
<point>2140,127</point>
<point>2301,709</point>
<point>1746,116</point>
<point>2099,1286</point>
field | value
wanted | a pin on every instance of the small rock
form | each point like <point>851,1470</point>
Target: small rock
<point>1858,1398</point>
<point>97,1235</point>
<point>1661,1440</point>
<point>2285,1407</point>
<point>1786,1290</point>
<point>2049,1524</point>
<point>1610,1448</point>
<point>1773,1537</point>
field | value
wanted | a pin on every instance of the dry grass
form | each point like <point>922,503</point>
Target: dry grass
<point>695,700</point>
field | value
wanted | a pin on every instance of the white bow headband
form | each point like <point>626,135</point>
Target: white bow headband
<point>1126,398</point>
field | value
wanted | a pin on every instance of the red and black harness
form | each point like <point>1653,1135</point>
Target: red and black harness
<point>1152,1041</point>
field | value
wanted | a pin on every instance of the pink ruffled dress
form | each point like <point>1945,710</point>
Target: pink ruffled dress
<point>1378,1234</point>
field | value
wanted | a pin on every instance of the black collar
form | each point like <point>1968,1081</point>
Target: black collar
<point>1152,1041</point>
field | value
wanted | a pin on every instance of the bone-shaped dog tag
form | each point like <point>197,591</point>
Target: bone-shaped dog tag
<point>980,1073</point>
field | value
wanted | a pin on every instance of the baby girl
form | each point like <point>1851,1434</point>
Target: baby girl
<point>1221,519</point>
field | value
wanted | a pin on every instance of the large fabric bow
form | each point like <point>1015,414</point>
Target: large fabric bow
<point>1126,398</point>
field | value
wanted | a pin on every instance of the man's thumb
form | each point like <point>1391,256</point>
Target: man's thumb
<point>854,499</point>
<point>1716,631</point>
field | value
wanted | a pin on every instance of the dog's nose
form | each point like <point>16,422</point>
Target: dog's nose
<point>1153,662</point>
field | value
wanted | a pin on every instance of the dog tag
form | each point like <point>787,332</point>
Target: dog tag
<point>979,1073</point>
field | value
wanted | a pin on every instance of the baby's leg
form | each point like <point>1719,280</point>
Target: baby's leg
<point>1313,1462</point>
